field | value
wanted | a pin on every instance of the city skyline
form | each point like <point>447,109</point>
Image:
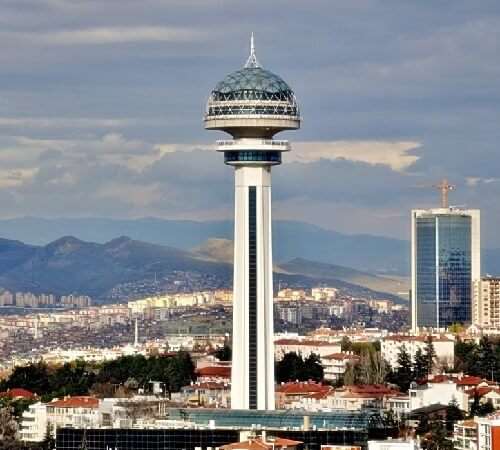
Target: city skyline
<point>99,114</point>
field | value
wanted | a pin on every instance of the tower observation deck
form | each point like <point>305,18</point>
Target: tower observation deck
<point>252,105</point>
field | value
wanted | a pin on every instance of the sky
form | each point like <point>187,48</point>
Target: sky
<point>102,101</point>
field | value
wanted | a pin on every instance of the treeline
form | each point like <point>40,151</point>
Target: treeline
<point>294,367</point>
<point>482,359</point>
<point>81,378</point>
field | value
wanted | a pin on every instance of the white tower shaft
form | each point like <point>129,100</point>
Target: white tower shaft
<point>253,347</point>
<point>136,333</point>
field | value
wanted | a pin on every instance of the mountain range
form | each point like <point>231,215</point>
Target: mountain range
<point>291,239</point>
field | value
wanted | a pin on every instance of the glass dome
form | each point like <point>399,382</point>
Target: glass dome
<point>252,97</point>
<point>252,83</point>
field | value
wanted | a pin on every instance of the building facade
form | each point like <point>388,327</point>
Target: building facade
<point>445,260</point>
<point>252,105</point>
<point>486,303</point>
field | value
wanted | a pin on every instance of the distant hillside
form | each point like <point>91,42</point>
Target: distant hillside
<point>70,265</point>
<point>364,253</point>
<point>291,239</point>
<point>325,271</point>
<point>217,249</point>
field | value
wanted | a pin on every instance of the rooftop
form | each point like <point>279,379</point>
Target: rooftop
<point>260,444</point>
<point>277,419</point>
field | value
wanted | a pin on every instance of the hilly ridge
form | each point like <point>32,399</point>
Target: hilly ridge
<point>70,265</point>
<point>291,239</point>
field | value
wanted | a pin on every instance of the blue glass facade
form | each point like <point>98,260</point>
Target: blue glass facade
<point>443,269</point>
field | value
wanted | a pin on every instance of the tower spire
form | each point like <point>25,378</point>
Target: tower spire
<point>252,59</point>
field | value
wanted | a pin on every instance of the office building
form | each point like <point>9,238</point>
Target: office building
<point>445,260</point>
<point>252,105</point>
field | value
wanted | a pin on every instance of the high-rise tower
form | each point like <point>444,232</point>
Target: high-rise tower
<point>252,105</point>
<point>445,261</point>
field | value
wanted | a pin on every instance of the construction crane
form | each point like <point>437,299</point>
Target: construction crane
<point>445,189</point>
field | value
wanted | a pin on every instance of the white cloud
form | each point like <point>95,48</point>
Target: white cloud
<point>107,35</point>
<point>63,122</point>
<point>395,154</point>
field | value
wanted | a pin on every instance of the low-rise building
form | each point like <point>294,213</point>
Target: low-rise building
<point>394,444</point>
<point>335,365</point>
<point>438,390</point>
<point>465,435</point>
<point>305,347</point>
<point>391,347</point>
<point>488,432</point>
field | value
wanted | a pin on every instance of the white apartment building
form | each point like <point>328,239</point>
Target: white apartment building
<point>87,412</point>
<point>394,444</point>
<point>391,347</point>
<point>465,435</point>
<point>335,365</point>
<point>486,303</point>
<point>440,390</point>
<point>305,347</point>
<point>488,432</point>
<point>34,423</point>
<point>324,293</point>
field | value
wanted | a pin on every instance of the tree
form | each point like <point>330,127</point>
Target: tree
<point>224,353</point>
<point>486,362</point>
<point>293,367</point>
<point>34,377</point>
<point>8,425</point>
<point>430,354</point>
<point>345,344</point>
<point>419,365</point>
<point>404,375</point>
<point>313,370</point>
<point>436,439</point>
<point>453,414</point>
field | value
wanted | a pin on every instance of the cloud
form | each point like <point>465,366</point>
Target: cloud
<point>395,154</point>
<point>106,35</point>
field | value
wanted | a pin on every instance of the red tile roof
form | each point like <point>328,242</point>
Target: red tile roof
<point>75,402</point>
<point>309,343</point>
<point>15,393</point>
<point>302,388</point>
<point>259,444</point>
<point>214,371</point>
<point>469,380</point>
<point>367,391</point>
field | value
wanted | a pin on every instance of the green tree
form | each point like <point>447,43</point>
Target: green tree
<point>345,344</point>
<point>293,367</point>
<point>419,365</point>
<point>486,362</point>
<point>430,355</point>
<point>465,356</point>
<point>313,370</point>
<point>34,377</point>
<point>453,414</point>
<point>404,374</point>
<point>224,353</point>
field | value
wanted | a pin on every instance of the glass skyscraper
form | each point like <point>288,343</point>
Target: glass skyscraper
<point>445,261</point>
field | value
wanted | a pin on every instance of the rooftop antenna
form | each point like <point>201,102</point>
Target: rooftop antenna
<point>252,59</point>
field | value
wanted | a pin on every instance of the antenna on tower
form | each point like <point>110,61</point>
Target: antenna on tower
<point>252,59</point>
<point>445,189</point>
